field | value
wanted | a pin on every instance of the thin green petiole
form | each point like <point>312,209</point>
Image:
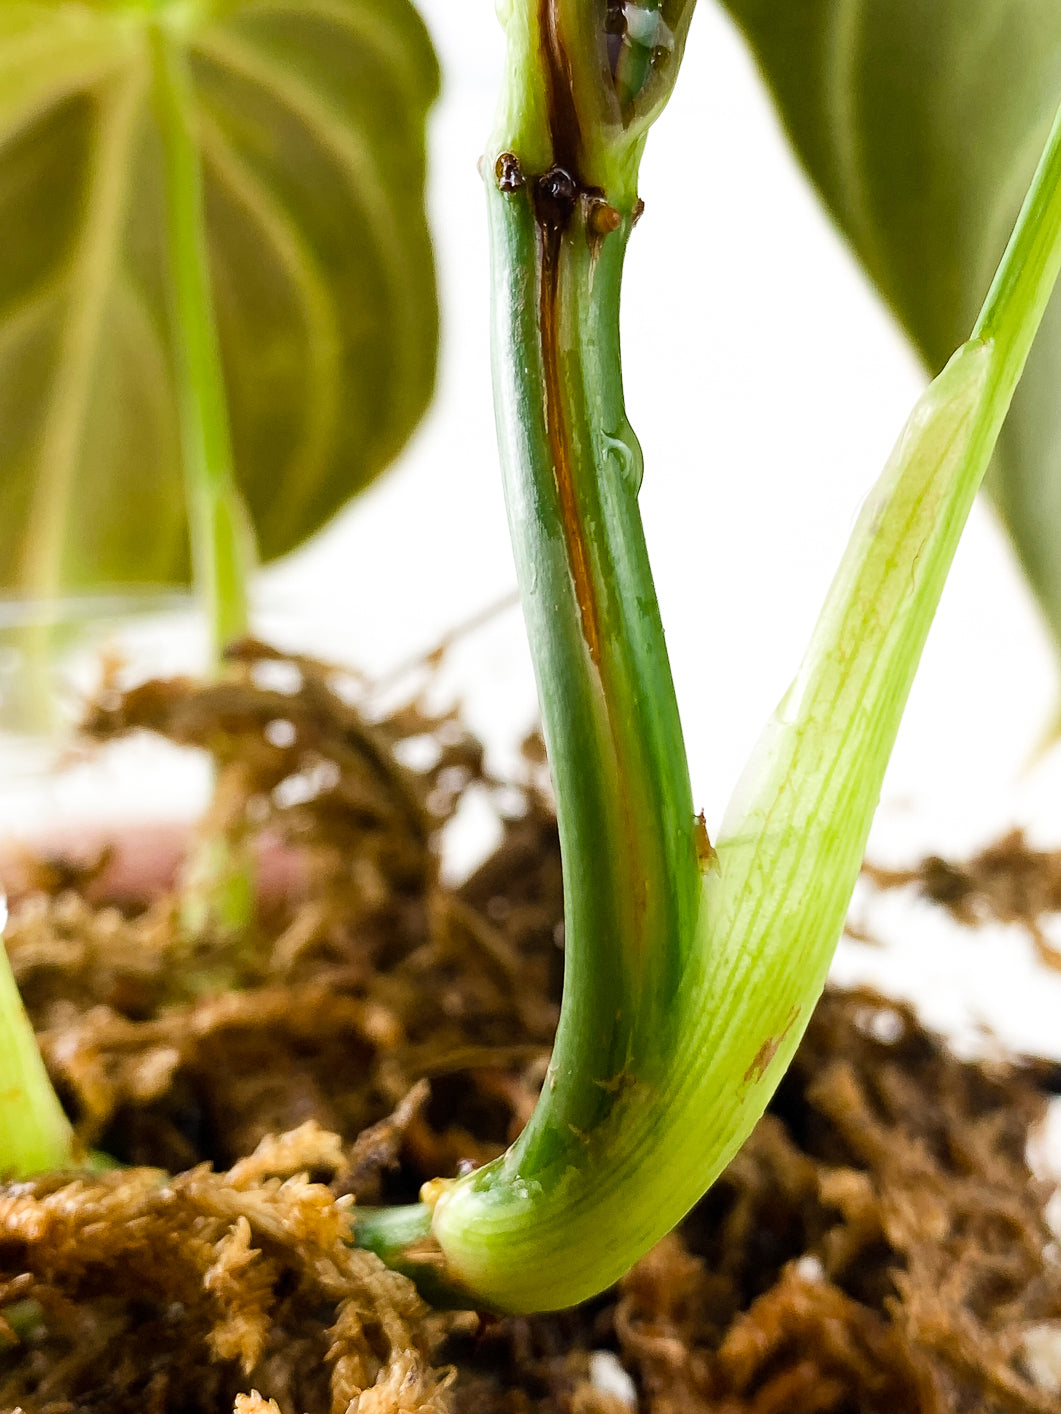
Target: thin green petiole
<point>222,542</point>
<point>218,889</point>
<point>389,1232</point>
<point>35,1135</point>
<point>1025,278</point>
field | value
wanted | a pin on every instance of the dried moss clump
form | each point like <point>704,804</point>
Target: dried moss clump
<point>879,1246</point>
<point>139,1292</point>
<point>362,974</point>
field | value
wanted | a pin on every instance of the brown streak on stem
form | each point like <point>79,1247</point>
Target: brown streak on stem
<point>555,199</point>
<point>550,238</point>
<point>553,215</point>
<point>557,195</point>
<point>766,1052</point>
<point>564,125</point>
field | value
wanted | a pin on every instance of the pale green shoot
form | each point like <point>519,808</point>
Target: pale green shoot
<point>691,971</point>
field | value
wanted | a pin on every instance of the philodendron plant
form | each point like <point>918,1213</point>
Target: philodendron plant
<point>692,967</point>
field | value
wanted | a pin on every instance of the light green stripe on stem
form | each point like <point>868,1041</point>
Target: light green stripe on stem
<point>678,1021</point>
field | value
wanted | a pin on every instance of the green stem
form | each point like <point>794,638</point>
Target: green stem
<point>1025,277</point>
<point>218,889</point>
<point>222,542</point>
<point>390,1231</point>
<point>35,1135</point>
<point>624,803</point>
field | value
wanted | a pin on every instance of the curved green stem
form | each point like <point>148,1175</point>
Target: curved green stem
<point>691,973</point>
<point>624,803</point>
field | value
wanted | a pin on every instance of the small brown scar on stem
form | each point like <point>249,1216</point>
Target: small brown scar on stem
<point>618,1084</point>
<point>555,195</point>
<point>508,173</point>
<point>766,1052</point>
<point>705,850</point>
<point>601,218</point>
<point>638,211</point>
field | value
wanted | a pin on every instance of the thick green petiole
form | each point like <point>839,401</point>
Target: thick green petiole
<point>691,972</point>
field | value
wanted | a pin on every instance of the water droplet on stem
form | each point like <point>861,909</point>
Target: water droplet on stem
<point>623,452</point>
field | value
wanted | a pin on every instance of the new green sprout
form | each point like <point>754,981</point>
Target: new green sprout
<point>691,971</point>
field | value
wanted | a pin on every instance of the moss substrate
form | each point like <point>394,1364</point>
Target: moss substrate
<point>880,1244</point>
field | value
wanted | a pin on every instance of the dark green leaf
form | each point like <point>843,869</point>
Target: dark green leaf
<point>310,119</point>
<point>921,122</point>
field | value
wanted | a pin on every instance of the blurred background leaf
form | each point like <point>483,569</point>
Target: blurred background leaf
<point>920,122</point>
<point>311,118</point>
